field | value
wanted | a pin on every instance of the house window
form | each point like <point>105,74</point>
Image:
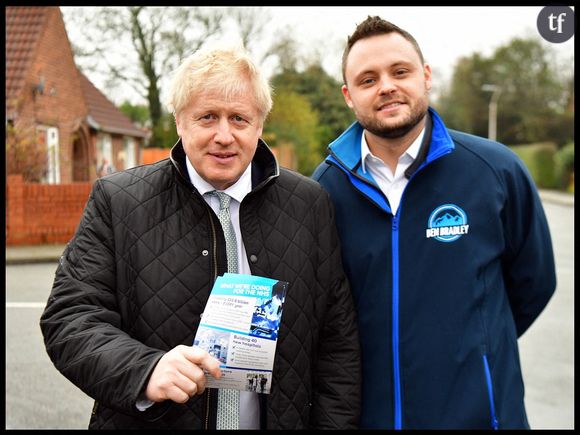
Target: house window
<point>130,158</point>
<point>48,136</point>
<point>104,154</point>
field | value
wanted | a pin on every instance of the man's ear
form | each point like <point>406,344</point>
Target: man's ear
<point>427,72</point>
<point>177,124</point>
<point>346,96</point>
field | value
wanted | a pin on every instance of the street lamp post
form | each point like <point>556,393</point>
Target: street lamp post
<point>492,122</point>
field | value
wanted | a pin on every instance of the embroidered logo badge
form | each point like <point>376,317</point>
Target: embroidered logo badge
<point>447,223</point>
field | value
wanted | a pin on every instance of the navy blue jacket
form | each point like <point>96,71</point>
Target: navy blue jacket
<point>444,287</point>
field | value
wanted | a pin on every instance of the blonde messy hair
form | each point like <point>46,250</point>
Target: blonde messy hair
<point>223,70</point>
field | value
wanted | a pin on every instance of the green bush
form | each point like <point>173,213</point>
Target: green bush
<point>564,167</point>
<point>539,159</point>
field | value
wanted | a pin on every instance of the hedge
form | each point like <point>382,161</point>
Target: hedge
<point>564,167</point>
<point>540,161</point>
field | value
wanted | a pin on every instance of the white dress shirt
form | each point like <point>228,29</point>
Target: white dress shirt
<point>249,404</point>
<point>392,185</point>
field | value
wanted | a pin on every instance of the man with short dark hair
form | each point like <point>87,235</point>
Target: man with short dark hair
<point>445,244</point>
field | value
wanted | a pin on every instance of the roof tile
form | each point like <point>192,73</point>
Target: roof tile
<point>24,25</point>
<point>23,29</point>
<point>105,113</point>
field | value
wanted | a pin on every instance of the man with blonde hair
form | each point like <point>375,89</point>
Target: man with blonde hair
<point>132,284</point>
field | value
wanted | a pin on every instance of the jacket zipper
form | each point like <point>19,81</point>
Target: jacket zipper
<point>214,252</point>
<point>398,405</point>
<point>396,367</point>
<point>215,267</point>
<point>398,412</point>
<point>398,408</point>
<point>494,422</point>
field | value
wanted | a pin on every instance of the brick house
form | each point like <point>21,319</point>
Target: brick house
<point>45,91</point>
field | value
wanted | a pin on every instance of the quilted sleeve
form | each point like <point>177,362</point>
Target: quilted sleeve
<point>337,377</point>
<point>81,323</point>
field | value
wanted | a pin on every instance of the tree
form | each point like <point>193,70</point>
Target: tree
<point>251,24</point>
<point>324,95</point>
<point>534,103</point>
<point>138,113</point>
<point>23,153</point>
<point>141,46</point>
<point>464,106</point>
<point>292,121</point>
<point>138,46</point>
<point>534,93</point>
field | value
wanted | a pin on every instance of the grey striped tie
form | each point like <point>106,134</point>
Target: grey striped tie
<point>228,400</point>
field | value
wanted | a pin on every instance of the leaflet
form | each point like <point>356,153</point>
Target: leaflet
<point>239,327</point>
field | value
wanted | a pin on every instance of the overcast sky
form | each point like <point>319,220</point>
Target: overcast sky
<point>444,33</point>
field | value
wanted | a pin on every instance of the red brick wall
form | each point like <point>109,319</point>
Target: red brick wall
<point>152,155</point>
<point>286,156</point>
<point>41,213</point>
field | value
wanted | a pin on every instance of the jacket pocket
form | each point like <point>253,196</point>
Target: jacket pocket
<point>494,422</point>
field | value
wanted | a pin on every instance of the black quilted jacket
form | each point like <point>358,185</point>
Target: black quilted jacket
<point>133,281</point>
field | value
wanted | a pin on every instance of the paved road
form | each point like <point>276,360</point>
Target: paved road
<point>38,397</point>
<point>547,348</point>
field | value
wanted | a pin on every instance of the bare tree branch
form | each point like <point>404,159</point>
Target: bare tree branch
<point>139,46</point>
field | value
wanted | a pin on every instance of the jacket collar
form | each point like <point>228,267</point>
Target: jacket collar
<point>345,150</point>
<point>264,164</point>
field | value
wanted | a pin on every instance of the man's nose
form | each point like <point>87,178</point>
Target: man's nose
<point>224,134</point>
<point>387,85</point>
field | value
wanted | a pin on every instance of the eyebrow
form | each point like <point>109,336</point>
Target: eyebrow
<point>405,63</point>
<point>397,64</point>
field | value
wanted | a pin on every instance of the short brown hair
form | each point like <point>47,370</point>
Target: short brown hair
<point>374,26</point>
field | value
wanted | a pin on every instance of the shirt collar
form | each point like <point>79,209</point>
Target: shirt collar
<point>412,151</point>
<point>237,191</point>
